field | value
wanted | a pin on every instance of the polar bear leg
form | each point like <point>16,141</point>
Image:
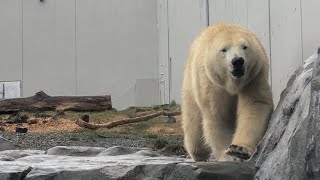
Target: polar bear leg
<point>218,135</point>
<point>254,110</point>
<point>193,133</point>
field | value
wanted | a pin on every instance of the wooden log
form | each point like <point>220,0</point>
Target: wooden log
<point>43,102</point>
<point>112,124</point>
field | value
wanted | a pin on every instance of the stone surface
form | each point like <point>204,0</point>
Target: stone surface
<point>32,121</point>
<point>75,151</point>
<point>20,129</point>
<point>226,170</point>
<point>290,148</point>
<point>77,163</point>
<point>6,145</point>
<point>85,117</point>
<point>171,119</point>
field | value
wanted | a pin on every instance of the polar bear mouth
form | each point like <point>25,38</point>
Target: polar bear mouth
<point>237,73</point>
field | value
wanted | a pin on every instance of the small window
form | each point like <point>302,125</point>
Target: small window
<point>9,89</point>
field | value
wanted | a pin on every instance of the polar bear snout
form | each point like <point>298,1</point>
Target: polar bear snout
<point>237,67</point>
<point>237,62</point>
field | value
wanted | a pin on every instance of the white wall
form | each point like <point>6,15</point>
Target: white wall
<point>117,46</point>
<point>10,40</point>
<point>185,22</point>
<point>49,47</point>
<point>81,47</point>
<point>310,26</point>
<point>163,50</point>
<point>129,47</point>
<point>288,30</point>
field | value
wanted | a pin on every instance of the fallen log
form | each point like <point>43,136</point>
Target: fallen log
<point>43,102</point>
<point>112,124</point>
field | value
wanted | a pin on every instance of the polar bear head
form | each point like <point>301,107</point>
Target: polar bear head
<point>235,57</point>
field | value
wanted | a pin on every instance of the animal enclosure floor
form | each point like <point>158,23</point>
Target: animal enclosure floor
<point>156,133</point>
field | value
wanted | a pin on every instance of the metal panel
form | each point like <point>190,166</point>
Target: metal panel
<point>185,24</point>
<point>10,89</point>
<point>163,50</point>
<point>286,50</point>
<point>232,11</point>
<point>2,93</point>
<point>145,95</point>
<point>310,26</point>
<point>116,44</point>
<point>10,40</point>
<point>49,47</point>
<point>258,22</point>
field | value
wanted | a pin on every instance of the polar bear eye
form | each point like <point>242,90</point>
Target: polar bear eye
<point>244,47</point>
<point>223,50</point>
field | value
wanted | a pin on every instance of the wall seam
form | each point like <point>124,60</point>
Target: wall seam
<point>207,11</point>
<point>22,53</point>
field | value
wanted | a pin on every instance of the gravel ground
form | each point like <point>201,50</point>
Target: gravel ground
<point>45,141</point>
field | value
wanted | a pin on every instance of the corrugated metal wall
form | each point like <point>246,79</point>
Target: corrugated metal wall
<point>127,48</point>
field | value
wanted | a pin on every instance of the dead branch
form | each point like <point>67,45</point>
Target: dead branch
<point>112,124</point>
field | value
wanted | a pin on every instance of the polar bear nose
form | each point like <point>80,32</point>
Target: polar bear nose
<point>237,62</point>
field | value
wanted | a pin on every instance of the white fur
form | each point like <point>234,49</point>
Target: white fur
<point>218,109</point>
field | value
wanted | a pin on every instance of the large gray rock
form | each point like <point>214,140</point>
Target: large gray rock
<point>6,145</point>
<point>77,163</point>
<point>290,148</point>
<point>75,151</point>
<point>16,154</point>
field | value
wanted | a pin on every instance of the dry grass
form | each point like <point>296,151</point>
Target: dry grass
<point>66,122</point>
<point>156,131</point>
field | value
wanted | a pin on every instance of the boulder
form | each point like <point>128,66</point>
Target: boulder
<point>85,118</point>
<point>75,151</point>
<point>77,163</point>
<point>290,148</point>
<point>32,121</point>
<point>6,144</point>
<point>16,154</point>
<point>20,129</point>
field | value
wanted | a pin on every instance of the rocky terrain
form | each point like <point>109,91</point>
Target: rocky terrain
<point>44,141</point>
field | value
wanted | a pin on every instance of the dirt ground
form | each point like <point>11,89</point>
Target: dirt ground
<point>66,122</point>
<point>158,133</point>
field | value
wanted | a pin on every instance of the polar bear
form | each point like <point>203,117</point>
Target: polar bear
<point>226,98</point>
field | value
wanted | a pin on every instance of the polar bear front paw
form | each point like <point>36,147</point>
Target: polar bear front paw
<point>238,152</point>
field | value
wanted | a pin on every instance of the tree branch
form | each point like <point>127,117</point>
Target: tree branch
<point>112,124</point>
